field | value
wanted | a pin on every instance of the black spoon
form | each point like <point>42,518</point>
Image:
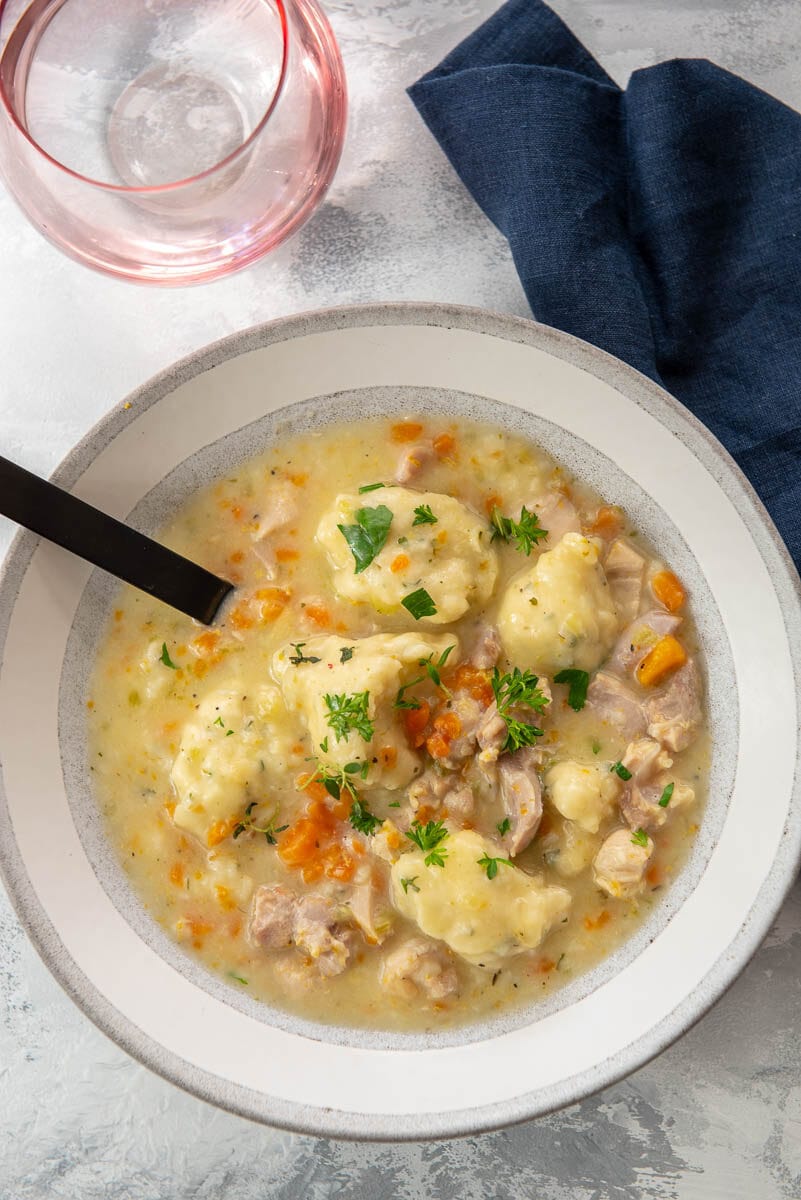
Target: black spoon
<point>105,542</point>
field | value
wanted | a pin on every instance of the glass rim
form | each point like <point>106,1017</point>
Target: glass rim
<point>152,189</point>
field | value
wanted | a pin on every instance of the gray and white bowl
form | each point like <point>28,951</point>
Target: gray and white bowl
<point>639,448</point>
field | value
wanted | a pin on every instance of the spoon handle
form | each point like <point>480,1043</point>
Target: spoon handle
<point>105,542</point>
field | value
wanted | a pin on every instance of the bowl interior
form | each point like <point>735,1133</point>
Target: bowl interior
<point>638,449</point>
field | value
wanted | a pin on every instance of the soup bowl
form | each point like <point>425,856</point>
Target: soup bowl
<point>607,424</point>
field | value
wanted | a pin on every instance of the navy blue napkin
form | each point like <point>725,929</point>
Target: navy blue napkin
<point>662,223</point>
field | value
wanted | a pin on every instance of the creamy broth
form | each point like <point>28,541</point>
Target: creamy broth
<point>383,862</point>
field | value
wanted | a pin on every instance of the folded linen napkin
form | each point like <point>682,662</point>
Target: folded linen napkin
<point>662,223</point>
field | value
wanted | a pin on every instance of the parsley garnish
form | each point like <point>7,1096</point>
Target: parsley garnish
<point>410,883</point>
<point>348,713</point>
<point>579,682</point>
<point>619,769</point>
<point>299,657</point>
<point>269,830</point>
<point>400,701</point>
<point>424,516</point>
<point>346,653</point>
<point>512,690</point>
<point>394,804</point>
<point>433,668</point>
<point>335,782</point>
<point>238,978</point>
<point>324,744</point>
<point>504,826</point>
<point>362,819</point>
<point>165,658</point>
<point>429,839</point>
<point>419,604</point>
<point>367,537</point>
<point>664,799</point>
<point>639,837</point>
<point>490,865</point>
<point>525,533</point>
<point>370,487</point>
<point>219,721</point>
<point>596,746</point>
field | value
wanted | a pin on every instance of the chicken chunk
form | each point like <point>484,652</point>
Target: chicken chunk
<point>484,648</point>
<point>624,570</point>
<point>638,638</point>
<point>280,508</point>
<point>619,865</point>
<point>640,806</point>
<point>435,789</point>
<point>370,908</point>
<point>521,793</point>
<point>280,919</point>
<point>558,515</point>
<point>674,713</point>
<point>419,968</point>
<point>613,701</point>
<point>644,758</point>
<point>412,462</point>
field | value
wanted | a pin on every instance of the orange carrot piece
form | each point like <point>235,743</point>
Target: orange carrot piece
<point>319,615</point>
<point>405,431</point>
<point>667,589</point>
<point>598,922</point>
<point>399,563</point>
<point>220,830</point>
<point>667,655</point>
<point>177,874</point>
<point>415,721</point>
<point>444,445</point>
<point>284,554</point>
<point>475,682</point>
<point>607,523</point>
<point>298,844</point>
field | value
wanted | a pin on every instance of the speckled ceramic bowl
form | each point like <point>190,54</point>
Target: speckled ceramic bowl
<point>637,446</point>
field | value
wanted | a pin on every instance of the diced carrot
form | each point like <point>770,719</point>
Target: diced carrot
<point>667,655</point>
<point>653,875</point>
<point>236,557</point>
<point>607,523</point>
<point>300,479</point>
<point>170,806</point>
<point>424,813</point>
<point>224,897</point>
<point>237,512</point>
<point>338,864</point>
<point>286,554</point>
<point>319,615</point>
<point>405,431</point>
<point>200,667</point>
<point>544,965</point>
<point>312,872</point>
<point>220,830</point>
<point>272,602</point>
<point>444,445</point>
<point>441,537</point>
<point>448,724</point>
<point>298,844</point>
<point>388,756</point>
<point>399,563</point>
<point>206,642</point>
<point>415,721</point>
<point>239,618</point>
<point>597,922</point>
<point>177,874</point>
<point>438,746</point>
<point>475,682</point>
<point>394,839</point>
<point>314,788</point>
<point>198,927</point>
<point>667,589</point>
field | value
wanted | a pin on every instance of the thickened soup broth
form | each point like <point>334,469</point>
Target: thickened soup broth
<point>444,749</point>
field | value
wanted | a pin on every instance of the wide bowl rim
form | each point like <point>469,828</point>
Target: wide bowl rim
<point>308,1119</point>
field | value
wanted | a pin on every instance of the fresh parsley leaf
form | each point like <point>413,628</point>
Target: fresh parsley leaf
<point>367,537</point>
<point>370,487</point>
<point>419,604</point>
<point>400,699</point>
<point>219,721</point>
<point>410,883</point>
<point>429,839</point>
<point>269,830</point>
<point>639,837</point>
<point>362,819</point>
<point>348,714</point>
<point>346,653</point>
<point>579,681</point>
<point>358,768</point>
<point>433,668</point>
<point>504,826</point>
<point>424,516</point>
<point>324,745</point>
<point>664,799</point>
<point>514,690</point>
<point>490,865</point>
<point>238,978</point>
<point>165,658</point>
<point>230,733</point>
<point>299,657</point>
<point>619,769</point>
<point>335,781</point>
<point>525,533</point>
<point>394,804</point>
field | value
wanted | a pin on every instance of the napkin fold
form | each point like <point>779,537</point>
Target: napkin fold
<point>661,222</point>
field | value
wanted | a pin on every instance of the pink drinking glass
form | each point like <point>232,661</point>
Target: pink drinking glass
<point>168,141</point>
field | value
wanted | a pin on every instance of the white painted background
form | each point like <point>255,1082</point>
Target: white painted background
<point>718,1115</point>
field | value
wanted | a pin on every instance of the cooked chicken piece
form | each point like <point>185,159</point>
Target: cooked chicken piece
<point>419,967</point>
<point>280,919</point>
<point>674,713</point>
<point>638,638</point>
<point>624,570</point>
<point>412,462</point>
<point>558,515</point>
<point>470,714</point>
<point>619,866</point>
<point>644,758</point>
<point>280,508</point>
<point>370,908</point>
<point>485,648</point>
<point>491,735</point>
<point>435,790</point>
<point>521,793</point>
<point>640,805</point>
<point>616,703</point>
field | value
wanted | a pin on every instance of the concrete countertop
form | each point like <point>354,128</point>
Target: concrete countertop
<point>717,1115</point>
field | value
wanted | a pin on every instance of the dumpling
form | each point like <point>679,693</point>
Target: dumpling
<point>583,793</point>
<point>450,558</point>
<point>228,752</point>
<point>483,920</point>
<point>372,667</point>
<point>560,612</point>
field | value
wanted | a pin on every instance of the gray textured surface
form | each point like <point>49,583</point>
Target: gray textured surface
<point>718,1115</point>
